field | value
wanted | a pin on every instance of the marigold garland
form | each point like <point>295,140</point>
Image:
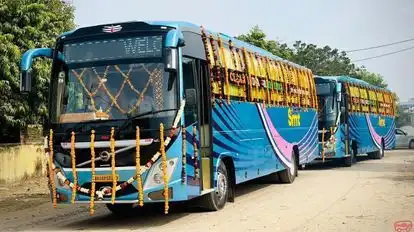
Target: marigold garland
<point>51,169</point>
<point>138,168</point>
<point>164,167</point>
<point>216,67</point>
<point>184,156</point>
<point>92,192</point>
<point>75,176</point>
<point>123,185</point>
<point>226,71</point>
<point>209,62</point>
<point>114,179</point>
<point>196,171</point>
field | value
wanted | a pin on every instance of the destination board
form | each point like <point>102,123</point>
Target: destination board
<point>114,49</point>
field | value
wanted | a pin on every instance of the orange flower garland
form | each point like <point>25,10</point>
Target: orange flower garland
<point>184,156</point>
<point>100,193</point>
<point>138,168</point>
<point>75,177</point>
<point>114,179</point>
<point>51,169</point>
<point>164,167</point>
<point>196,171</point>
<point>92,201</point>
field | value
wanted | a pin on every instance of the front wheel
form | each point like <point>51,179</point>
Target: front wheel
<point>216,200</point>
<point>288,175</point>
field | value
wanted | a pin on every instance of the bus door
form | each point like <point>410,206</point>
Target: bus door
<point>345,104</point>
<point>205,125</point>
<point>195,75</point>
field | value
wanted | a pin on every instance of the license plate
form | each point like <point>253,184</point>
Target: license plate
<point>105,178</point>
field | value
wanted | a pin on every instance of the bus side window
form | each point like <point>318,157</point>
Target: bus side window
<point>189,82</point>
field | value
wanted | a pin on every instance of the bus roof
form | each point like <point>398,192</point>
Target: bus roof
<point>196,28</point>
<point>352,80</point>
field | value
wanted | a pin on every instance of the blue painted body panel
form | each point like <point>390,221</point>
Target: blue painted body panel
<point>242,131</point>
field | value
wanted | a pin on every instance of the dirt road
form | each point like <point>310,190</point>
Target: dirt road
<point>370,196</point>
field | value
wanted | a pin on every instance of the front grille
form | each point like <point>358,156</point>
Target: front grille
<point>122,159</point>
<point>126,191</point>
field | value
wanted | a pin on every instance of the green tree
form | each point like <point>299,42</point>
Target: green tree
<point>26,24</point>
<point>372,78</point>
<point>257,37</point>
<point>323,61</point>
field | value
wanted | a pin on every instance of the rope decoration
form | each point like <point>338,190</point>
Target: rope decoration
<point>184,156</point>
<point>113,164</point>
<point>157,86</point>
<point>74,173</point>
<point>51,170</point>
<point>92,192</point>
<point>138,168</point>
<point>155,77</point>
<point>164,167</point>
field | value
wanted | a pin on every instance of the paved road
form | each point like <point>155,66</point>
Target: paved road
<point>370,196</point>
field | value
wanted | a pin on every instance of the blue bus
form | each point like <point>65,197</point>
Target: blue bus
<point>143,112</point>
<point>354,118</point>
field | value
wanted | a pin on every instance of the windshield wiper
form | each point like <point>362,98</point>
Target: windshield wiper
<point>153,112</point>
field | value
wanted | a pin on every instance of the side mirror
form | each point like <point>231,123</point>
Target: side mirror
<point>26,81</point>
<point>171,59</point>
<point>26,75</point>
<point>190,97</point>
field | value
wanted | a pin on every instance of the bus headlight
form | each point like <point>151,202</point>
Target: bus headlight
<point>155,176</point>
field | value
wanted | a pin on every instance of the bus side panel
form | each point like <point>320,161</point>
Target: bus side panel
<point>238,133</point>
<point>355,131</point>
<point>367,130</point>
<point>340,141</point>
<point>381,127</point>
<point>259,139</point>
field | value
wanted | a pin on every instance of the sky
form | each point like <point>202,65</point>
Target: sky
<point>341,24</point>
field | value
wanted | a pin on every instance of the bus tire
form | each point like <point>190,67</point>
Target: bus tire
<point>377,154</point>
<point>216,200</point>
<point>411,144</point>
<point>348,161</point>
<point>288,175</point>
<point>121,209</point>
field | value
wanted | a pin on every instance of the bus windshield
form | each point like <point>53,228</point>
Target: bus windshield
<point>328,109</point>
<point>93,85</point>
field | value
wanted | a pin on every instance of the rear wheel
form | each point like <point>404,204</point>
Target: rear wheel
<point>377,154</point>
<point>411,144</point>
<point>348,161</point>
<point>216,200</point>
<point>288,175</point>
